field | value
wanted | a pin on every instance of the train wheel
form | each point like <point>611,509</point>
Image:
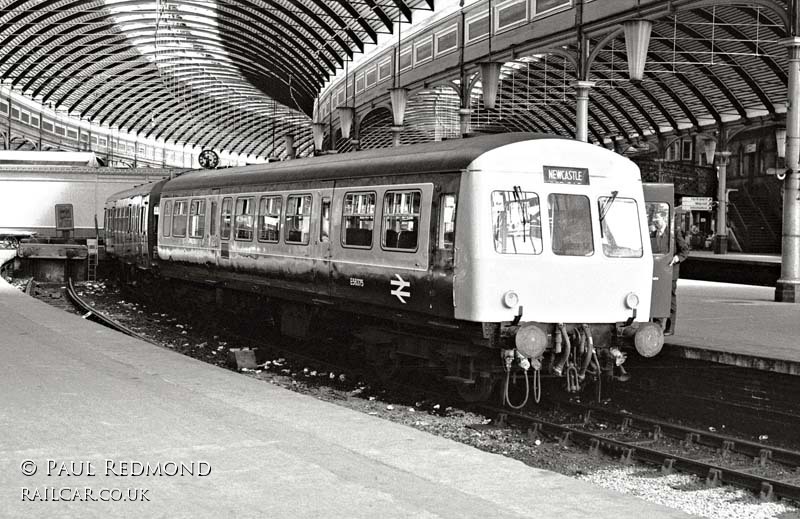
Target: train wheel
<point>480,391</point>
<point>385,362</point>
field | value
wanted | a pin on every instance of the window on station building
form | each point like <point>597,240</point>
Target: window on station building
<point>3,107</point>
<point>405,59</point>
<point>446,41</point>
<point>93,139</point>
<point>372,77</point>
<point>245,215</point>
<point>84,137</point>
<point>358,219</point>
<point>25,117</point>
<point>401,212</point>
<point>15,112</point>
<point>423,51</point>
<point>225,218</point>
<point>34,121</point>
<point>60,130</point>
<point>543,6</point>
<point>179,217</point>
<point>72,134</point>
<point>101,141</point>
<point>197,218</point>
<point>298,219</point>
<point>385,70</point>
<point>359,83</point>
<point>510,14</point>
<point>269,218</point>
<point>477,26</point>
<point>47,126</point>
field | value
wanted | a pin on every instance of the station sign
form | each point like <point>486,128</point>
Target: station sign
<point>563,175</point>
<point>696,203</point>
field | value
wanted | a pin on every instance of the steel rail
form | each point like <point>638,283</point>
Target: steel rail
<point>91,313</point>
<point>765,487</point>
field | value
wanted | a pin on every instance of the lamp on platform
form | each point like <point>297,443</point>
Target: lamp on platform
<point>346,120</point>
<point>709,147</point>
<point>780,140</point>
<point>318,132</point>
<point>637,41</point>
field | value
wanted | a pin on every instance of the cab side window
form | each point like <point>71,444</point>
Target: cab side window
<point>447,221</point>
<point>167,218</point>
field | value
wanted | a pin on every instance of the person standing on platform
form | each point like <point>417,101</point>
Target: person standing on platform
<point>659,236</point>
<point>681,253</point>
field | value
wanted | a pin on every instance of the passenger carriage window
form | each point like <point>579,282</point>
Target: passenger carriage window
<point>358,219</point>
<point>212,218</point>
<point>244,219</point>
<point>197,218</point>
<point>325,221</point>
<point>401,220</point>
<point>619,227</point>
<point>447,221</point>
<point>570,225</point>
<point>298,219</point>
<point>225,218</point>
<point>269,218</point>
<point>179,217</point>
<point>167,218</point>
<point>516,222</point>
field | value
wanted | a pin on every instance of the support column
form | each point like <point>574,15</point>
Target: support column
<point>721,239</point>
<point>396,131</point>
<point>582,110</point>
<point>787,288</point>
<point>464,120</point>
<point>288,140</point>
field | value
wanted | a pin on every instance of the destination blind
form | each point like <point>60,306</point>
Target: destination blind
<point>562,175</point>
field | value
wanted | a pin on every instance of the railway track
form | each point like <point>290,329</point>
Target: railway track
<point>89,312</point>
<point>768,471</point>
<point>73,301</point>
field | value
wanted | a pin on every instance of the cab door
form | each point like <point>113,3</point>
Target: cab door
<point>659,200</point>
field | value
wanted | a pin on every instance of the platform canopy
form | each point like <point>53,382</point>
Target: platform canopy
<point>226,74</point>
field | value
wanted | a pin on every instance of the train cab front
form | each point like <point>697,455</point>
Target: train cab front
<point>561,267</point>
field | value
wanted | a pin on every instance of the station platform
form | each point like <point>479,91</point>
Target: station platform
<point>83,400</point>
<point>746,269</point>
<point>736,324</point>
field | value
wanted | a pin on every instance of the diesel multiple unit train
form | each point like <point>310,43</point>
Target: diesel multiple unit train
<point>481,257</point>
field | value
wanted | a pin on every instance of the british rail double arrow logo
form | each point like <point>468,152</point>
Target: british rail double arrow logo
<point>400,292</point>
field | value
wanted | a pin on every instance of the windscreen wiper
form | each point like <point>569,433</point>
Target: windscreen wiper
<point>518,199</point>
<point>606,208</point>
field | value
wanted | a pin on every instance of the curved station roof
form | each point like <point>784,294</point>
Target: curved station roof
<point>225,74</point>
<point>238,74</point>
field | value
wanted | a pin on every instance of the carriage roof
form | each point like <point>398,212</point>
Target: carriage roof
<point>446,156</point>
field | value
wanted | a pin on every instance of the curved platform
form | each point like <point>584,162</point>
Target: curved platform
<point>78,397</point>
